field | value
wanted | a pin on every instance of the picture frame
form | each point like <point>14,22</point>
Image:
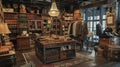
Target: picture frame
<point>110,20</point>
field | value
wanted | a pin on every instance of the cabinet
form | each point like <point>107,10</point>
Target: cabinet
<point>23,42</point>
<point>55,50</point>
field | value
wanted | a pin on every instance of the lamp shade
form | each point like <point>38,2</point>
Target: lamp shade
<point>53,10</point>
<point>4,28</point>
<point>1,28</point>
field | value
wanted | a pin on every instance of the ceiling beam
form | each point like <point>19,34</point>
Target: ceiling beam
<point>96,4</point>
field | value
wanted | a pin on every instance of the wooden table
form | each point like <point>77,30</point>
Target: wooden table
<point>55,50</point>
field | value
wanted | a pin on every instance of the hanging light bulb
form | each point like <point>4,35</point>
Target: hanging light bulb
<point>53,10</point>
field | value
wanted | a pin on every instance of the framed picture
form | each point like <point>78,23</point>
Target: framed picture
<point>110,20</point>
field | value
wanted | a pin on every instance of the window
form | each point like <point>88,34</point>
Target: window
<point>93,17</point>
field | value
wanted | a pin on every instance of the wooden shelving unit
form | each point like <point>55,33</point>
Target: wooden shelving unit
<point>68,19</point>
<point>35,23</point>
<point>11,19</point>
<point>22,23</point>
<point>56,26</point>
<point>19,22</point>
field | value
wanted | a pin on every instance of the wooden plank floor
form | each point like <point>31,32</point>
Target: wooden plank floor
<point>98,60</point>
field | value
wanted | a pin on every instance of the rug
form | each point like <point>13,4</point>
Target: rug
<point>80,58</point>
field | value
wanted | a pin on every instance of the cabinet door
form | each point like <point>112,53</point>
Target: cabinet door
<point>39,24</point>
<point>31,24</point>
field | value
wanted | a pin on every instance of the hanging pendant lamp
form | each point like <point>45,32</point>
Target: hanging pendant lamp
<point>54,10</point>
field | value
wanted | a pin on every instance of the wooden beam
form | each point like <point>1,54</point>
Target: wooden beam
<point>96,4</point>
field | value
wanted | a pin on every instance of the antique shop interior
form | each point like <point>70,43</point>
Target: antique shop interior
<point>59,33</point>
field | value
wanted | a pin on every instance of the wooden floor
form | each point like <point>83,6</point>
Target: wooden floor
<point>98,60</point>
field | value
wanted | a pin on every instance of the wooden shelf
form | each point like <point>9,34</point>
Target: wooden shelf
<point>35,24</point>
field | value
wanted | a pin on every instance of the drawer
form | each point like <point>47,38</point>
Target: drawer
<point>115,57</point>
<point>52,58</point>
<point>116,52</point>
<point>52,52</point>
